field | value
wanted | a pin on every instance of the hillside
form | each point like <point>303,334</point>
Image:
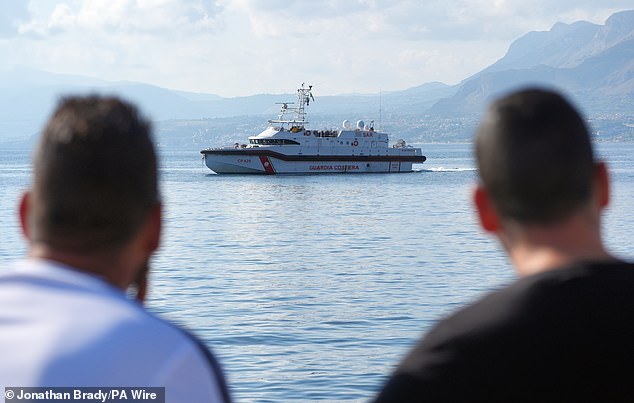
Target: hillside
<point>594,64</point>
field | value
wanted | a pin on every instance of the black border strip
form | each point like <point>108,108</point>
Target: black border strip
<point>285,157</point>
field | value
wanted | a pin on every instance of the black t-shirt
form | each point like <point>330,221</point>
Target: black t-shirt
<point>566,335</point>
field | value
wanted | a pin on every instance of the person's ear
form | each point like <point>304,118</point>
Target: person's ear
<point>602,184</point>
<point>153,229</point>
<point>23,210</point>
<point>141,283</point>
<point>489,220</point>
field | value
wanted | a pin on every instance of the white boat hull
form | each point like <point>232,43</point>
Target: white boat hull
<point>242,162</point>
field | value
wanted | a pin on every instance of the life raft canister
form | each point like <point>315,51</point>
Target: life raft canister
<point>307,133</point>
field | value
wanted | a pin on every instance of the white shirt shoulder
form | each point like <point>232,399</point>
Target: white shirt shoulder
<point>62,327</point>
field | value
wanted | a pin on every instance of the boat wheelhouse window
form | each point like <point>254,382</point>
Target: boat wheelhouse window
<point>276,142</point>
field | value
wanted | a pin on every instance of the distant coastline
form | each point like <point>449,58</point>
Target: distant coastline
<point>596,73</point>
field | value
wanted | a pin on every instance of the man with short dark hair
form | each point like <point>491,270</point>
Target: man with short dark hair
<point>564,331</point>
<point>93,220</point>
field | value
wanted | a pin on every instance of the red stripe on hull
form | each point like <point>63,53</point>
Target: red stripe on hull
<point>266,164</point>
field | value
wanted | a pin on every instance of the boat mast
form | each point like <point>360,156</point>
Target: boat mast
<point>304,95</point>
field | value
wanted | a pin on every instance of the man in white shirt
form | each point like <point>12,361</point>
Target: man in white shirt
<point>93,219</point>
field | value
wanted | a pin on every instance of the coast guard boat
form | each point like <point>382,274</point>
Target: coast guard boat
<point>286,146</point>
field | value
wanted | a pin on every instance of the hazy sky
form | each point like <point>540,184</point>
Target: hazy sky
<point>244,47</point>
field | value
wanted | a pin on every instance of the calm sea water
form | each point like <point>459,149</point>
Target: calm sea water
<point>310,288</point>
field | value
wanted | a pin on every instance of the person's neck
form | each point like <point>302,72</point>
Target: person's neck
<point>103,265</point>
<point>536,249</point>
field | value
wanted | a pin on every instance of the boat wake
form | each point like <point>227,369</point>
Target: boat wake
<point>445,169</point>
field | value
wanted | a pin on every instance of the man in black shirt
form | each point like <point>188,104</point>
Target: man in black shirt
<point>563,332</point>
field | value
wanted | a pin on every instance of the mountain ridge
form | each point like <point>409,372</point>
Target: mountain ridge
<point>591,63</point>
<point>594,64</point>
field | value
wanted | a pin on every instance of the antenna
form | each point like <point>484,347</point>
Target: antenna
<point>380,110</point>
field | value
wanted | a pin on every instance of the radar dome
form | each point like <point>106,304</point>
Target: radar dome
<point>360,125</point>
<point>346,124</point>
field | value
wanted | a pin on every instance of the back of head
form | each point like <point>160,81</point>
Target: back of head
<point>95,175</point>
<point>535,157</point>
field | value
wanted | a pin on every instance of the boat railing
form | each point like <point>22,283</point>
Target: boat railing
<point>325,133</point>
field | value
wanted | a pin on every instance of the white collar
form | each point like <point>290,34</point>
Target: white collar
<point>56,271</point>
